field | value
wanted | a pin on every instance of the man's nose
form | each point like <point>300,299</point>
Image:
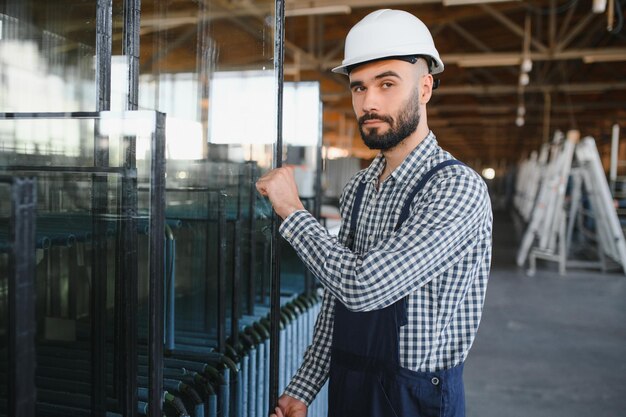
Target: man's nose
<point>370,102</point>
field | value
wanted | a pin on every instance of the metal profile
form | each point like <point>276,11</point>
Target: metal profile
<point>279,56</point>
<point>130,48</point>
<point>127,244</point>
<point>252,169</point>
<point>21,286</point>
<point>221,273</point>
<point>157,268</point>
<point>126,282</point>
<point>99,267</point>
<point>104,33</point>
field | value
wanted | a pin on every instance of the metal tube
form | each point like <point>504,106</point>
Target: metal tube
<point>156,280</point>
<point>126,282</point>
<point>279,48</point>
<point>208,296</point>
<point>68,169</point>
<point>236,295</point>
<point>252,385</point>
<point>252,167</point>
<point>221,275</point>
<point>104,31</point>
<point>130,48</point>
<point>317,202</point>
<point>99,267</point>
<point>170,270</point>
<point>244,375</point>
<point>614,156</point>
<point>21,287</point>
<point>127,247</point>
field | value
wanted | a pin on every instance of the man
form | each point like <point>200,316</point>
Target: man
<point>405,280</point>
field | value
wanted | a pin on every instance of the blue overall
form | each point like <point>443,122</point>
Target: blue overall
<point>366,379</point>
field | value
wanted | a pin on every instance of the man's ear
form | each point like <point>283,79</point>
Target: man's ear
<point>426,88</point>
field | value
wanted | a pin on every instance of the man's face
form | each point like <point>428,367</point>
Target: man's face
<point>386,100</point>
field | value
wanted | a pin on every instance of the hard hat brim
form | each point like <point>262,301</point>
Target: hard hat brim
<point>435,64</point>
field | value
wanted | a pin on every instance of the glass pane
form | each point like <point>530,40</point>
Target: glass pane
<point>302,138</point>
<point>93,230</point>
<point>47,54</point>
<point>213,75</point>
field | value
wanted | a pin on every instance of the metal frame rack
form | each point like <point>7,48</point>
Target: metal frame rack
<point>112,354</point>
<point>225,372</point>
<point>96,397</point>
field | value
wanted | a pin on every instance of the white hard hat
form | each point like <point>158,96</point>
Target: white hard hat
<point>389,33</point>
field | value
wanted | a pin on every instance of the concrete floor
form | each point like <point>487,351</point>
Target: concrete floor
<point>548,346</point>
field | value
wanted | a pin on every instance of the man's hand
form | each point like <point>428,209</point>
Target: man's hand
<point>290,407</point>
<point>280,186</point>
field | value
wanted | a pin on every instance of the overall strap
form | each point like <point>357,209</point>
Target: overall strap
<point>404,214</point>
<point>356,206</point>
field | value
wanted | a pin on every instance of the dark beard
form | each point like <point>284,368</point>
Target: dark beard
<point>408,119</point>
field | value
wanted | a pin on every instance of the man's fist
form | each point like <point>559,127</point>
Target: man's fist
<point>280,186</point>
<point>290,407</point>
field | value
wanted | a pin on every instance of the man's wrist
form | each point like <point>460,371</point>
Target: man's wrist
<point>288,211</point>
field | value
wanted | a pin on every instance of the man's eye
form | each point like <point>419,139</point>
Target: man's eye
<point>358,89</point>
<point>387,85</point>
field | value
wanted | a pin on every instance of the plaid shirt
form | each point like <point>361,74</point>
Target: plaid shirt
<point>440,258</point>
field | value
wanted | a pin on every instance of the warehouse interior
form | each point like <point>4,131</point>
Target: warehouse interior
<point>141,273</point>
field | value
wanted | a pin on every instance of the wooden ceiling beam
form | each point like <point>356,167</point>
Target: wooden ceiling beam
<point>511,25</point>
<point>514,58</point>
<point>504,89</point>
<point>533,88</point>
<point>575,31</point>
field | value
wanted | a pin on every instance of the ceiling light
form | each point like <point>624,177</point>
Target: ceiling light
<point>527,65</point>
<point>524,79</point>
<point>319,10</point>
<point>489,173</point>
<point>519,122</point>
<point>598,6</point>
